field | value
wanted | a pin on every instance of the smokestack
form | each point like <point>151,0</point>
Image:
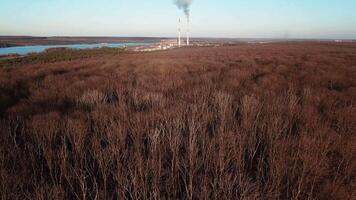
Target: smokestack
<point>184,5</point>
<point>188,30</point>
<point>179,34</point>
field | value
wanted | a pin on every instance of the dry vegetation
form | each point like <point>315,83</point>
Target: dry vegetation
<point>57,55</point>
<point>274,121</point>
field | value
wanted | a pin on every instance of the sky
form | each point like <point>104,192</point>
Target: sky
<point>324,19</point>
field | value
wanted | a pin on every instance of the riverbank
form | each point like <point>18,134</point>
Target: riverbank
<point>14,41</point>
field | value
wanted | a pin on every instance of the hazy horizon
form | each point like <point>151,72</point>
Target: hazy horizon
<point>263,19</point>
<point>173,37</point>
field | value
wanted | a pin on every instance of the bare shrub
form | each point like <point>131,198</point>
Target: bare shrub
<point>224,103</point>
<point>251,109</point>
<point>91,99</point>
<point>231,122</point>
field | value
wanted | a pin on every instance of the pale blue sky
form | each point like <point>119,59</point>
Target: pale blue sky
<point>210,18</point>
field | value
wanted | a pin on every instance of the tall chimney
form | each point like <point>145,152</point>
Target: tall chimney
<point>188,29</point>
<point>179,34</point>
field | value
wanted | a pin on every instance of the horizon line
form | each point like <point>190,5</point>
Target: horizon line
<point>169,37</point>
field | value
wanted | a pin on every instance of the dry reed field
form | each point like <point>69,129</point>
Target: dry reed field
<point>252,121</point>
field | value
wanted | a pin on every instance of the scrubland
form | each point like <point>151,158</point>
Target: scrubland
<point>271,121</point>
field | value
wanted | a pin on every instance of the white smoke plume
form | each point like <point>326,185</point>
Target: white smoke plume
<point>184,5</point>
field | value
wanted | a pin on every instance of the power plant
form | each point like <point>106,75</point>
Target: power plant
<point>179,42</point>
<point>188,29</point>
<point>184,5</point>
<point>179,34</point>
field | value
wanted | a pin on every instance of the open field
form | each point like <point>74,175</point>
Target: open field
<point>253,121</point>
